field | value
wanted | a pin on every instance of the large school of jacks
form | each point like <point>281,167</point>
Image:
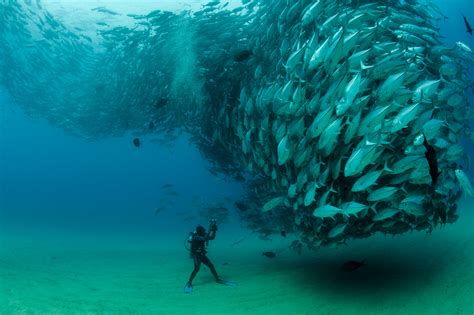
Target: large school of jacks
<point>334,113</point>
<point>326,105</point>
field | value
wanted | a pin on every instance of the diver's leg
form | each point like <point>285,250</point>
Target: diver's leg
<point>197,265</point>
<point>206,261</point>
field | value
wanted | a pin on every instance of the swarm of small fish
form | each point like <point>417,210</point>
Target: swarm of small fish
<point>348,115</point>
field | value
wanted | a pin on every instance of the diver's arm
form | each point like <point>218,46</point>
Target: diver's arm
<point>212,233</point>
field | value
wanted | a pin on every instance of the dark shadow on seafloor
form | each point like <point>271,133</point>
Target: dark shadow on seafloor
<point>388,274</point>
<point>401,265</point>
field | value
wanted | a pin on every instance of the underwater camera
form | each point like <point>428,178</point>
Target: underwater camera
<point>213,224</point>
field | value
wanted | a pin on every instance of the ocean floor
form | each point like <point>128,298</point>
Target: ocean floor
<point>45,272</point>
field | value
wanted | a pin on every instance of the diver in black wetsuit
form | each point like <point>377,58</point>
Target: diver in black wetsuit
<point>199,240</point>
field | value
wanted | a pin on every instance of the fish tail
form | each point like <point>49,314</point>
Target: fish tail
<point>425,142</point>
<point>372,207</point>
<point>364,67</point>
<point>386,168</point>
<point>404,190</point>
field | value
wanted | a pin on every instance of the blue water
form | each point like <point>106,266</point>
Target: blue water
<point>54,182</point>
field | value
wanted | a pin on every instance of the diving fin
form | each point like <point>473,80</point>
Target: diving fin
<point>188,288</point>
<point>227,283</point>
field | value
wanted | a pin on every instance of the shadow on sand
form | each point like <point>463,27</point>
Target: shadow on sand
<point>393,274</point>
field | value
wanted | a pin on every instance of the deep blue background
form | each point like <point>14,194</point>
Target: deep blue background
<point>51,179</point>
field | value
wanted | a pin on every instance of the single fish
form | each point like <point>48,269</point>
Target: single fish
<point>468,26</point>
<point>430,155</point>
<point>311,13</point>
<point>284,150</point>
<point>241,206</point>
<point>136,142</point>
<point>272,203</point>
<point>385,214</point>
<point>105,10</point>
<point>269,254</point>
<point>159,209</point>
<point>283,233</point>
<point>337,231</point>
<point>240,240</point>
<point>352,265</point>
<point>326,211</point>
<point>353,208</point>
<point>464,181</point>
<point>242,55</point>
<point>161,102</point>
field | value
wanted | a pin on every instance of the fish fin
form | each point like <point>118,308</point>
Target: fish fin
<point>227,282</point>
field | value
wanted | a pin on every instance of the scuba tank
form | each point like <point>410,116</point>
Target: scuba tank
<point>212,228</point>
<point>187,239</point>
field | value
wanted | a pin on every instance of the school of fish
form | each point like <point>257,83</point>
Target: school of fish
<point>341,118</point>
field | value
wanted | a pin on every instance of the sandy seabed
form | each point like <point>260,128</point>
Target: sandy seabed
<point>416,273</point>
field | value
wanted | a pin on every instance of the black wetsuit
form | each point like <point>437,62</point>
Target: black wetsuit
<point>198,253</point>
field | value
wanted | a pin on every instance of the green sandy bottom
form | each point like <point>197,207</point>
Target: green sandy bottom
<point>417,273</point>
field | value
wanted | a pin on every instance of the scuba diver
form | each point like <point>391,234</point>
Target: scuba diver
<point>199,239</point>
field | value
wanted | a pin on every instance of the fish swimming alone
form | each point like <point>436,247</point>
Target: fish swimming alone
<point>136,142</point>
<point>159,209</point>
<point>468,26</point>
<point>269,254</point>
<point>464,182</point>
